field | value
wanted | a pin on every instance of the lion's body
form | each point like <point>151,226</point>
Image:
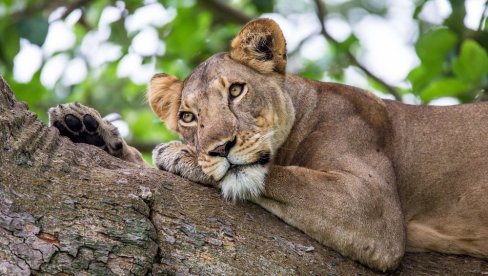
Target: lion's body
<point>441,165</point>
<point>439,157</point>
<point>367,177</point>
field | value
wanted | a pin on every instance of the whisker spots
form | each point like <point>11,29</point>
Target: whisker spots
<point>214,165</point>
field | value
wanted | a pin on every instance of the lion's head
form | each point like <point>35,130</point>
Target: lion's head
<point>232,108</point>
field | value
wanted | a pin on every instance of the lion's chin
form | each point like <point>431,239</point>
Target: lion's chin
<point>243,182</point>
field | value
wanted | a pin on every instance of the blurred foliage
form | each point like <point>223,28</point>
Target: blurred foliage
<point>453,58</point>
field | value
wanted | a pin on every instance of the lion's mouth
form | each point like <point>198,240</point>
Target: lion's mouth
<point>264,159</point>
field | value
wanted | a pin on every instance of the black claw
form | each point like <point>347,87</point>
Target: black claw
<point>73,123</point>
<point>118,146</point>
<point>90,123</point>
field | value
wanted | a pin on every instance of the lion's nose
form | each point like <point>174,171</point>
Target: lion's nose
<point>223,150</point>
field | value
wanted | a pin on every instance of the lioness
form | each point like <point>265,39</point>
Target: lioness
<point>369,178</point>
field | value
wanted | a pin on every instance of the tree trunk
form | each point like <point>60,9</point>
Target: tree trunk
<point>73,209</point>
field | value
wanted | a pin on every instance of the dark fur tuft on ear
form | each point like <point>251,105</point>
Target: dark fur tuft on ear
<point>260,45</point>
<point>164,97</point>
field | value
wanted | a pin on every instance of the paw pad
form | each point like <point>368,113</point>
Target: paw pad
<point>90,123</point>
<point>73,123</point>
<point>82,124</point>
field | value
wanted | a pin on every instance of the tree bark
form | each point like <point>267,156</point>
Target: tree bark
<point>72,209</point>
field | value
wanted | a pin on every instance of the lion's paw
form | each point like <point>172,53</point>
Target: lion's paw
<point>172,156</point>
<point>82,124</point>
<point>176,157</point>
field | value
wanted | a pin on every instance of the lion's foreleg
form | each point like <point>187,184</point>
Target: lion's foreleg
<point>359,216</point>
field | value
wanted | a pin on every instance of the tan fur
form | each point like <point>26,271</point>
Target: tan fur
<point>113,143</point>
<point>261,33</point>
<point>367,177</point>
<point>164,94</point>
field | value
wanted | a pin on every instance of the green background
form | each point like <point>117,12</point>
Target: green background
<point>453,58</point>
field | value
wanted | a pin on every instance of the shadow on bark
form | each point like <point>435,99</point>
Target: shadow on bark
<point>73,209</point>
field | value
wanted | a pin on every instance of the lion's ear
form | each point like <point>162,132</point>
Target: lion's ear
<point>260,45</point>
<point>164,96</point>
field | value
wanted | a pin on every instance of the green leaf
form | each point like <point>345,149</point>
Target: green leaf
<point>432,49</point>
<point>143,119</point>
<point>418,8</point>
<point>189,40</point>
<point>455,21</point>
<point>472,63</point>
<point>433,46</point>
<point>263,6</point>
<point>132,5</point>
<point>347,44</point>
<point>315,70</point>
<point>177,67</point>
<point>34,29</point>
<point>9,43</point>
<point>420,76</point>
<point>93,13</point>
<point>118,34</point>
<point>444,88</point>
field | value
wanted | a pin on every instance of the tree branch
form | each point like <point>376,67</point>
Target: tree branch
<point>73,209</point>
<point>226,12</point>
<point>48,7</point>
<point>321,13</point>
<point>29,10</point>
<point>303,41</point>
<point>73,6</point>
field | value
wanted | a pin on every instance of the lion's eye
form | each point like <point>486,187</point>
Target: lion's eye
<point>235,90</point>
<point>187,117</point>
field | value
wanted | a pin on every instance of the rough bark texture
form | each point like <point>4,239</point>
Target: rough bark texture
<point>73,209</point>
